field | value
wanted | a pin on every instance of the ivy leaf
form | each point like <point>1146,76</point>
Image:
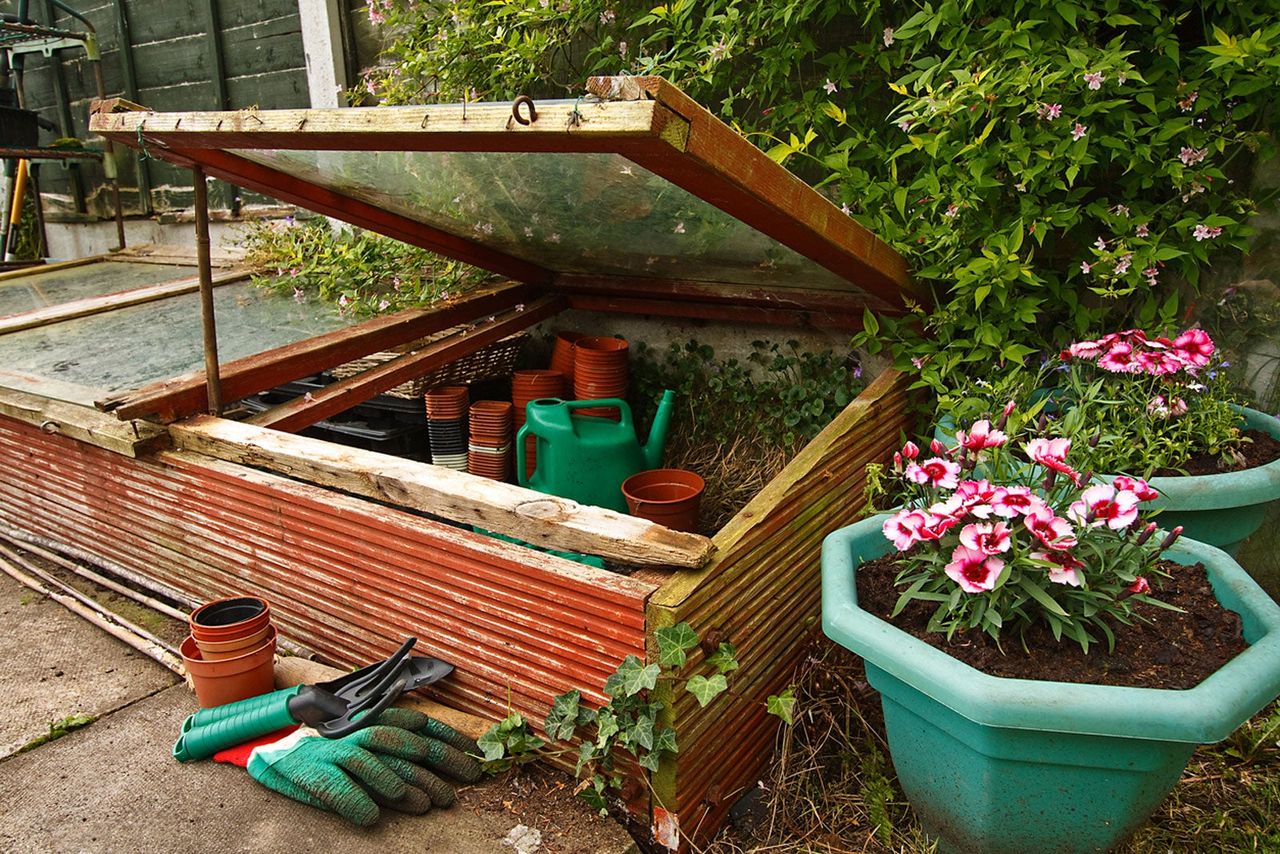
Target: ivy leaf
<point>673,642</point>
<point>606,728</point>
<point>650,760</point>
<point>783,705</point>
<point>586,752</point>
<point>665,741</point>
<point>562,720</point>
<point>631,677</point>
<point>640,734</point>
<point>705,690</point>
<point>724,659</point>
<point>492,744</point>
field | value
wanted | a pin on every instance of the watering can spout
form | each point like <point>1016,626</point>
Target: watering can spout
<point>657,442</point>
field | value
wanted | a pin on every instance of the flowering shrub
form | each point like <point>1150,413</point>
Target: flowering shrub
<point>1001,544</point>
<point>1046,166</point>
<point>1152,402</point>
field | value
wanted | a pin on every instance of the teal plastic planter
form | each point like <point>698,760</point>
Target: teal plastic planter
<point>1000,765</point>
<point>1221,509</point>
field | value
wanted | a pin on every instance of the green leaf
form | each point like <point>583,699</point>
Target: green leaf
<point>673,642</point>
<point>705,690</point>
<point>665,741</point>
<point>1036,593</point>
<point>606,728</point>
<point>491,744</point>
<point>783,705</point>
<point>724,659</point>
<point>631,677</point>
<point>562,720</point>
<point>640,733</point>
<point>869,322</point>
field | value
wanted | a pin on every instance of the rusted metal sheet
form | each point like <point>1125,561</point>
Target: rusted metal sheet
<point>762,592</point>
<point>345,576</point>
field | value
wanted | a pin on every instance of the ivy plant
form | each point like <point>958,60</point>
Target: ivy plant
<point>628,724</point>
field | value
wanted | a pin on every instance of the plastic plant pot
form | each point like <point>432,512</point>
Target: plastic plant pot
<point>670,497</point>
<point>217,651</point>
<point>230,619</point>
<point>1014,765</point>
<point>220,682</point>
<point>562,353</point>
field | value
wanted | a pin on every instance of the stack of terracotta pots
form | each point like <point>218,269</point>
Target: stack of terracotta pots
<point>533,385</point>
<point>600,370</point>
<point>562,354</point>
<point>447,425</point>
<point>230,653</point>
<point>489,451</point>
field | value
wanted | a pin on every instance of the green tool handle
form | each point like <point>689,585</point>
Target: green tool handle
<point>210,730</point>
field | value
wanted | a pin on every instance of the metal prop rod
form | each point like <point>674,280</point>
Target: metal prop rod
<point>213,380</point>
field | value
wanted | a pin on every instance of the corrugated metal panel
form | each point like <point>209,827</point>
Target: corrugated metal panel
<point>762,592</point>
<point>345,576</point>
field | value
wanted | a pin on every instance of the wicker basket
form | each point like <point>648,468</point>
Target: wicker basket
<point>495,361</point>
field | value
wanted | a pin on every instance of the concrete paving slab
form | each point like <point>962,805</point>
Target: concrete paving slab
<point>114,787</point>
<point>54,664</point>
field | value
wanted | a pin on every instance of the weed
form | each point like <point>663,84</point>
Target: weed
<point>57,729</point>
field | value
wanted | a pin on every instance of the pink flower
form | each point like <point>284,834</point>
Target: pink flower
<point>1053,531</point>
<point>1142,230</point>
<point>1051,453</point>
<point>1158,407</point>
<point>1100,244</point>
<point>829,86</point>
<point>1085,267</point>
<point>1137,486</point>
<point>975,496</point>
<point>974,571</point>
<point>1191,156</point>
<point>951,211</point>
<point>935,471</point>
<point>1095,80</point>
<point>937,447</point>
<point>1120,359</point>
<point>990,538</point>
<point>1139,585</point>
<point>1078,132</point>
<point>1048,112</point>
<point>1010,501</point>
<point>910,451</point>
<point>1195,347</point>
<point>1186,103</point>
<point>1177,407</point>
<point>905,528</point>
<point>1206,232</point>
<point>981,436</point>
<point>1088,350</point>
<point>1102,504</point>
<point>888,36</point>
<point>1064,567</point>
<point>1122,266</point>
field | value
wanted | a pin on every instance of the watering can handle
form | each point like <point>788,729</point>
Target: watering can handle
<point>522,477</point>
<point>623,406</point>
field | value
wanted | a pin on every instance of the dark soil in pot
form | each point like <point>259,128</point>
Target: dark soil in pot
<point>1262,448</point>
<point>1165,649</point>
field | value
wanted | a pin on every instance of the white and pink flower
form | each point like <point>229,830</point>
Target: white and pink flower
<point>1103,504</point>
<point>1137,486</point>
<point>1050,529</point>
<point>906,528</point>
<point>934,471</point>
<point>990,538</point>
<point>1195,347</point>
<point>973,570</point>
<point>981,436</point>
<point>1065,569</point>
<point>1011,501</point>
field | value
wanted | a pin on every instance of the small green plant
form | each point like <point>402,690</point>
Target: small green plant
<point>783,705</point>
<point>362,272</point>
<point>59,728</point>
<point>782,394</point>
<point>628,723</point>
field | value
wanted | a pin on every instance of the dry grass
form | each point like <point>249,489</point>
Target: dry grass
<point>734,474</point>
<point>830,787</point>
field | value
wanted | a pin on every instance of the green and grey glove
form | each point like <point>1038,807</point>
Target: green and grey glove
<point>445,754</point>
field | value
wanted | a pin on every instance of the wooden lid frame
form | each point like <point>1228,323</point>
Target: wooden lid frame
<point>644,119</point>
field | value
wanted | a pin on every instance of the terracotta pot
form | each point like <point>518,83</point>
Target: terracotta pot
<point>598,352</point>
<point>229,619</point>
<point>563,351</point>
<point>531,385</point>
<point>446,403</point>
<point>229,680</point>
<point>670,497</point>
<point>220,650</point>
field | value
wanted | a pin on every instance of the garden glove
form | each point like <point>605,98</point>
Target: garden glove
<point>350,776</point>
<point>447,751</point>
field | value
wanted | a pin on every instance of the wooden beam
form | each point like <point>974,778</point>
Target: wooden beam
<point>301,412</point>
<point>36,269</point>
<point>171,399</point>
<point>717,311</point>
<point>560,126</point>
<point>183,256</point>
<point>82,423</point>
<point>542,520</point>
<point>110,302</point>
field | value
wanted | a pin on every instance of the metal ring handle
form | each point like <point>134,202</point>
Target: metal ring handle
<point>524,100</point>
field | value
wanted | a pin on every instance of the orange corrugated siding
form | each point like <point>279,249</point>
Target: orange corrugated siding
<point>345,576</point>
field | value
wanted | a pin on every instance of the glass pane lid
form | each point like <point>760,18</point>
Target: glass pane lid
<point>570,213</point>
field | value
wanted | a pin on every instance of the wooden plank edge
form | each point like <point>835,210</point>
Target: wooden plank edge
<point>82,423</point>
<point>10,275</point>
<point>532,517</point>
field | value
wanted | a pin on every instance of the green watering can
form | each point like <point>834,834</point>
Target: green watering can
<point>586,458</point>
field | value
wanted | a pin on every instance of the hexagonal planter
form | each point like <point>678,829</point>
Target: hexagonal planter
<point>1013,765</point>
